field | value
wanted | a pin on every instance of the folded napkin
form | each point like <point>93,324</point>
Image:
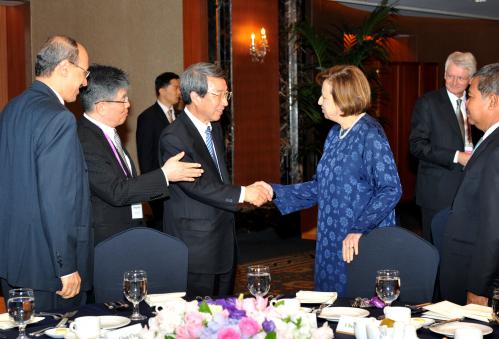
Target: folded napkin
<point>6,323</point>
<point>445,310</point>
<point>157,299</point>
<point>315,297</point>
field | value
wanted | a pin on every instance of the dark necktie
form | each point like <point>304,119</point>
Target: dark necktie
<point>460,118</point>
<point>211,147</point>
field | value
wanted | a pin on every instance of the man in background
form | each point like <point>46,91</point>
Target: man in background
<point>45,241</point>
<point>469,267</point>
<point>150,124</point>
<point>117,190</point>
<point>441,138</point>
<point>201,213</point>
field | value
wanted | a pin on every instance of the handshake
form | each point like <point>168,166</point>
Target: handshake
<point>258,193</point>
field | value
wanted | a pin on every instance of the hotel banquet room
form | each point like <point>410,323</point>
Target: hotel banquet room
<point>274,130</point>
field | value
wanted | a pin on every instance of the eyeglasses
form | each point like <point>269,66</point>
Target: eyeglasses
<point>124,101</point>
<point>226,95</point>
<point>87,73</point>
<point>458,78</point>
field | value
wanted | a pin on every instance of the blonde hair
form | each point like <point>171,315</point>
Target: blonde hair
<point>349,87</point>
<point>464,60</point>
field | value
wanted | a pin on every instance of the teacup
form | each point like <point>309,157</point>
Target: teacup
<point>86,327</point>
<point>468,333</point>
<point>398,314</point>
<point>286,306</point>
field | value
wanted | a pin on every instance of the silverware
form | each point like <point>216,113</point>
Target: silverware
<point>56,316</point>
<point>66,317</point>
<point>441,322</point>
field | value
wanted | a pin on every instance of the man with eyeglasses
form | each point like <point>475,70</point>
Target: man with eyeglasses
<point>45,200</point>
<point>201,213</point>
<point>442,139</point>
<point>117,190</point>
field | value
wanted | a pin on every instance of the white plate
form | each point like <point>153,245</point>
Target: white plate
<point>449,328</point>
<point>419,322</point>
<point>334,313</point>
<point>109,322</point>
<point>6,323</point>
<point>57,332</point>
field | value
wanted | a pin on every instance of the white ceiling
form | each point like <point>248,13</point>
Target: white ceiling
<point>488,9</point>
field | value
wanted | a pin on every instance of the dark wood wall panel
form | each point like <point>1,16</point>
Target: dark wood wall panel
<point>195,31</point>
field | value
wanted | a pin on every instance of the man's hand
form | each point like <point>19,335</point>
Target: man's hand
<point>351,246</point>
<point>175,170</point>
<point>472,298</point>
<point>258,193</point>
<point>463,158</point>
<point>70,285</point>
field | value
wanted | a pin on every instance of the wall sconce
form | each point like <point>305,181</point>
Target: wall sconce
<point>258,53</point>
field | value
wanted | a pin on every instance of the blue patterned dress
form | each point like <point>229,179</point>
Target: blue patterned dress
<point>356,188</point>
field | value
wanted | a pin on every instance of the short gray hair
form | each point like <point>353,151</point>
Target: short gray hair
<point>464,60</point>
<point>56,49</point>
<point>488,79</point>
<point>103,83</point>
<point>195,79</point>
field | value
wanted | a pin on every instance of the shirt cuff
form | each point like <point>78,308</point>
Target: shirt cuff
<point>456,157</point>
<point>243,193</point>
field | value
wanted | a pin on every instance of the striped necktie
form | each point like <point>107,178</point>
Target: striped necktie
<point>460,118</point>
<point>119,148</point>
<point>211,147</point>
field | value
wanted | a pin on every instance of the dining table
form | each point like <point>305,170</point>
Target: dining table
<point>103,310</point>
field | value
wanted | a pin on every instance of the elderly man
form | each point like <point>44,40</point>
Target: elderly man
<point>470,260</point>
<point>44,205</point>
<point>150,124</point>
<point>201,212</point>
<point>442,139</point>
<point>117,191</point>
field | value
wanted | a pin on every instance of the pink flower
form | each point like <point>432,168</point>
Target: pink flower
<point>182,332</point>
<point>261,303</point>
<point>228,333</point>
<point>249,326</point>
<point>194,319</point>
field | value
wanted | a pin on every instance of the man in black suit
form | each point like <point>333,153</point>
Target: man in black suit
<point>441,139</point>
<point>117,191</point>
<point>45,241</point>
<point>201,212</point>
<point>150,124</point>
<point>470,260</point>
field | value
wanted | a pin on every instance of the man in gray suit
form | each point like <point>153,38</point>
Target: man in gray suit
<point>45,232</point>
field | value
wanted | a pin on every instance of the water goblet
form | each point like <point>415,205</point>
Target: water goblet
<point>388,285</point>
<point>135,290</point>
<point>21,307</point>
<point>258,280</point>
<point>495,306</point>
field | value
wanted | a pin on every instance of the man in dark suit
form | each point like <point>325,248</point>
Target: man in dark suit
<point>150,124</point>
<point>470,260</point>
<point>117,191</point>
<point>201,212</point>
<point>441,139</point>
<point>45,231</point>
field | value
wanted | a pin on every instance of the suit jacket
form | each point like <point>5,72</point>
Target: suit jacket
<point>434,139</point>
<point>45,199</point>
<point>150,124</point>
<point>113,192</point>
<point>470,258</point>
<point>201,212</point>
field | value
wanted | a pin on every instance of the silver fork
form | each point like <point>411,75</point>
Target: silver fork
<point>56,316</point>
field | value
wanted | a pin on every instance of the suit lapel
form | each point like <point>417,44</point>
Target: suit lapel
<point>482,148</point>
<point>449,112</point>
<point>219,147</point>
<point>161,115</point>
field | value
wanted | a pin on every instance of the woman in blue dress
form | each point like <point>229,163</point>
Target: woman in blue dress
<point>356,185</point>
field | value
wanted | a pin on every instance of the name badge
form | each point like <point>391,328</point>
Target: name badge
<point>137,211</point>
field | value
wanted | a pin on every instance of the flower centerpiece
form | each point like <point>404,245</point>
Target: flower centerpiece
<point>232,318</point>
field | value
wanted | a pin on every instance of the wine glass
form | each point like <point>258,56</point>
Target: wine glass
<point>495,306</point>
<point>21,306</point>
<point>135,290</point>
<point>388,285</point>
<point>258,280</point>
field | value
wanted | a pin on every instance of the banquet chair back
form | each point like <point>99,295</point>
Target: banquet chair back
<point>394,248</point>
<point>163,257</point>
<point>438,227</point>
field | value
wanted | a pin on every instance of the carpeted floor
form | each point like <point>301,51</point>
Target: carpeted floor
<point>289,273</point>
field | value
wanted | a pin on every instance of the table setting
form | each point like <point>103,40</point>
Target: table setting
<point>307,314</point>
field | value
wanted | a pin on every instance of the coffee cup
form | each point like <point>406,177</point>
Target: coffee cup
<point>398,314</point>
<point>86,327</point>
<point>468,333</point>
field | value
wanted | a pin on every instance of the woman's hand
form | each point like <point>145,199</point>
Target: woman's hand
<point>351,246</point>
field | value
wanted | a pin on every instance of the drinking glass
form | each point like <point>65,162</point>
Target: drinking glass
<point>388,285</point>
<point>258,280</point>
<point>135,290</point>
<point>21,306</point>
<point>495,306</point>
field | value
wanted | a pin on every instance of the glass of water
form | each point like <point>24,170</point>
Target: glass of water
<point>495,306</point>
<point>388,285</point>
<point>21,306</point>
<point>258,280</point>
<point>135,290</point>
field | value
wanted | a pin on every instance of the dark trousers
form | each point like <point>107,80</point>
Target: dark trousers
<point>427,215</point>
<point>211,285</point>
<point>157,214</point>
<point>47,300</point>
